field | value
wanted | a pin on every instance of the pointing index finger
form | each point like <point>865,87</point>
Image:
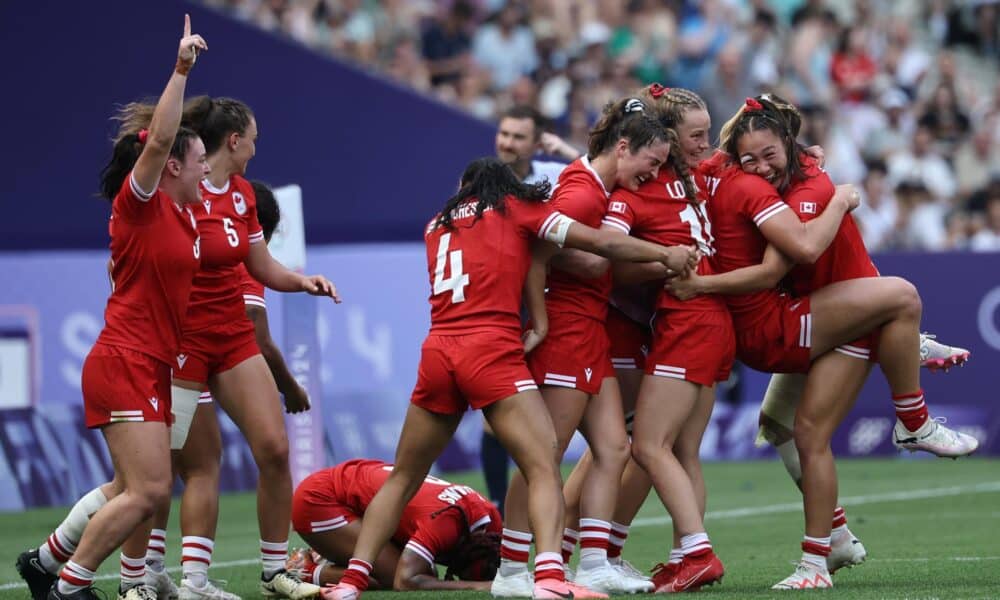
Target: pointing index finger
<point>187,25</point>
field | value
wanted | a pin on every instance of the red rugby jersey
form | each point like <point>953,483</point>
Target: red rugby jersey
<point>660,212</point>
<point>846,257</point>
<point>737,206</point>
<point>155,249</point>
<point>582,197</point>
<point>426,527</point>
<point>477,268</point>
<point>227,222</point>
<point>253,290</point>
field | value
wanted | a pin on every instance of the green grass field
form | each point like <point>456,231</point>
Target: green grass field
<point>931,527</point>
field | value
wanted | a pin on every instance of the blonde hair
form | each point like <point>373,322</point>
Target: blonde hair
<point>669,105</point>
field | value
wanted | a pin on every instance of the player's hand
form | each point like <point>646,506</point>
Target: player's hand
<point>531,339</point>
<point>190,45</point>
<point>317,285</point>
<point>297,400</point>
<point>684,288</point>
<point>850,194</point>
<point>817,153</point>
<point>554,145</point>
<point>681,259</point>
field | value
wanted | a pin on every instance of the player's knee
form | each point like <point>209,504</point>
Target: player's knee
<point>612,454</point>
<point>907,298</point>
<point>809,436</point>
<point>645,453</point>
<point>150,494</point>
<point>271,452</point>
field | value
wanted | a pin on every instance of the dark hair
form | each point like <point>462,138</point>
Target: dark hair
<point>523,111</point>
<point>490,181</point>
<point>126,152</point>
<point>774,114</point>
<point>477,553</point>
<point>215,118</point>
<point>268,211</point>
<point>628,119</point>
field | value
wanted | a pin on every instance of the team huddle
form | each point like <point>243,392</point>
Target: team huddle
<point>646,267</point>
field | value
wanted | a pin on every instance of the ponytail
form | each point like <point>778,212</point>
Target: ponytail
<point>126,152</point>
<point>628,118</point>
<point>766,112</point>
<point>215,119</point>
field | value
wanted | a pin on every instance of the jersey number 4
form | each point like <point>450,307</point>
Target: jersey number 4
<point>458,280</point>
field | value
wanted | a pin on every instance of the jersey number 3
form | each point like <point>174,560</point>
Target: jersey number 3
<point>458,280</point>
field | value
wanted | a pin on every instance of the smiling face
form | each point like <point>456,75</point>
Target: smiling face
<point>244,146</point>
<point>636,168</point>
<point>516,140</point>
<point>762,153</point>
<point>189,171</point>
<point>692,136</point>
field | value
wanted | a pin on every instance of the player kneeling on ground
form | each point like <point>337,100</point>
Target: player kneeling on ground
<point>447,524</point>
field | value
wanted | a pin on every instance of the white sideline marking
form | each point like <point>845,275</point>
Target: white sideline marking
<point>222,565</point>
<point>848,501</point>
<point>979,488</point>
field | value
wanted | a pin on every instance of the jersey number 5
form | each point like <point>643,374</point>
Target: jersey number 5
<point>232,236</point>
<point>458,280</point>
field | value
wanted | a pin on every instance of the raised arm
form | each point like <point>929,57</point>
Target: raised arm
<point>167,114</point>
<point>805,242</point>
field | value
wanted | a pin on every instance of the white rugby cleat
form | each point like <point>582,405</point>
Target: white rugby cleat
<point>519,585</point>
<point>935,438</point>
<point>934,355</point>
<point>807,576</point>
<point>161,581</point>
<point>188,591</point>
<point>608,579</point>
<point>845,551</point>
<point>285,584</point>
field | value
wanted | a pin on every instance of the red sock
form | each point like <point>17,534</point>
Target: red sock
<point>911,410</point>
<point>570,538</point>
<point>357,573</point>
<point>549,565</point>
<point>839,517</point>
<point>619,533</point>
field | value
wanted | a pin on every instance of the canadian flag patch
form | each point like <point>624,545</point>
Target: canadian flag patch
<point>808,208</point>
<point>618,207</point>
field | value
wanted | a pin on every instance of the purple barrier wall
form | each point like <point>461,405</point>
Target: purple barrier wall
<point>352,141</point>
<point>365,365</point>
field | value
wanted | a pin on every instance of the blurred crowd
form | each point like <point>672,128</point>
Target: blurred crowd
<point>903,96</point>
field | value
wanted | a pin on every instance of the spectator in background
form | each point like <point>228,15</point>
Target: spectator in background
<point>920,225</point>
<point>446,43</point>
<point>976,162</point>
<point>894,134</point>
<point>646,40</point>
<point>853,70</point>
<point>988,238</point>
<point>920,162</point>
<point>703,33</point>
<point>905,60</point>
<point>727,86</point>
<point>843,161</point>
<point>809,53</point>
<point>764,50</point>
<point>877,215</point>
<point>945,120</point>
<point>506,48</point>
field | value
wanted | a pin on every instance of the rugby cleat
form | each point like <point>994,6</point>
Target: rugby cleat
<point>845,551</point>
<point>935,438</point>
<point>518,585</point>
<point>161,581</point>
<point>663,574</point>
<point>30,568</point>
<point>211,591</point>
<point>285,584</point>
<point>693,573</point>
<point>807,576</point>
<point>934,355</point>
<point>304,562</point>
<point>626,568</point>
<point>610,580</point>
<point>553,589</point>
<point>87,593</point>
<point>341,591</point>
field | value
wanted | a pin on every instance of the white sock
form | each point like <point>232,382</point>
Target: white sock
<point>73,578</point>
<point>815,551</point>
<point>594,538</point>
<point>273,556</point>
<point>676,556</point>
<point>696,543</point>
<point>196,556</point>
<point>514,549</point>
<point>62,542</point>
<point>156,549</point>
<point>132,571</point>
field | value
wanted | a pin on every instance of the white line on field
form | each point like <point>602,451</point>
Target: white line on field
<point>848,501</point>
<point>217,565</point>
<point>979,488</point>
<point>938,559</point>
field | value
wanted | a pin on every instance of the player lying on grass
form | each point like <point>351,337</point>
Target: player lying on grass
<point>443,524</point>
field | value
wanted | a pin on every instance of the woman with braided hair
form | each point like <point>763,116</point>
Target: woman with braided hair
<point>447,524</point>
<point>757,240</point>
